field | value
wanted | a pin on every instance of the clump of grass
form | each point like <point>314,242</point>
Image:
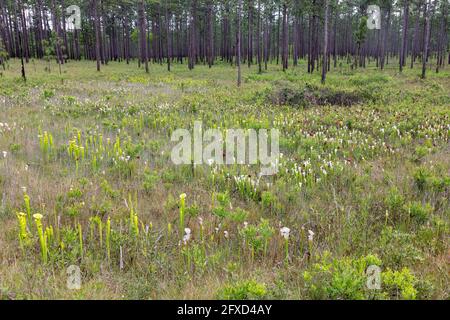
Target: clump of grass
<point>97,221</point>
<point>46,144</point>
<point>76,152</point>
<point>257,237</point>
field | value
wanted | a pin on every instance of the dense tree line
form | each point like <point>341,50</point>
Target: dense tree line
<point>254,32</point>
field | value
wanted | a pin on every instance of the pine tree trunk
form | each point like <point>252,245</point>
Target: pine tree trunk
<point>250,34</point>
<point>193,36</point>
<point>258,38</point>
<point>427,12</point>
<point>143,34</point>
<point>210,36</point>
<point>168,37</point>
<point>57,25</point>
<point>285,48</point>
<point>238,42</point>
<point>39,34</point>
<point>385,40</point>
<point>19,40</point>
<point>25,41</point>
<point>325,44</point>
<point>402,59</point>
<point>416,35</point>
<point>97,33</point>
<point>442,38</point>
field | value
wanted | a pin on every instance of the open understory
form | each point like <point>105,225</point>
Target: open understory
<point>364,179</point>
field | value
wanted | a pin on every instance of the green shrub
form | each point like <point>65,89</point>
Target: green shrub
<point>193,210</point>
<point>420,213</point>
<point>150,181</point>
<point>243,290</point>
<point>47,94</point>
<point>287,93</point>
<point>399,284</point>
<point>420,152</point>
<point>238,215</point>
<point>421,177</point>
<point>394,200</point>
<point>343,278</point>
<point>397,248</point>
<point>269,200</point>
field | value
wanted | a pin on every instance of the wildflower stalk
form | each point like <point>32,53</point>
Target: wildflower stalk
<point>169,229</point>
<point>136,225</point>
<point>23,234</point>
<point>285,234</point>
<point>49,235</point>
<point>80,238</point>
<point>46,143</point>
<point>202,240</point>
<point>91,229</point>
<point>134,220</point>
<point>42,240</point>
<point>286,248</point>
<point>100,231</point>
<point>188,267</point>
<point>26,200</point>
<point>108,238</point>
<point>310,242</point>
<point>182,208</point>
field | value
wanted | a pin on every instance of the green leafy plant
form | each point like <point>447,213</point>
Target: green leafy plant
<point>419,212</point>
<point>400,284</point>
<point>243,290</point>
